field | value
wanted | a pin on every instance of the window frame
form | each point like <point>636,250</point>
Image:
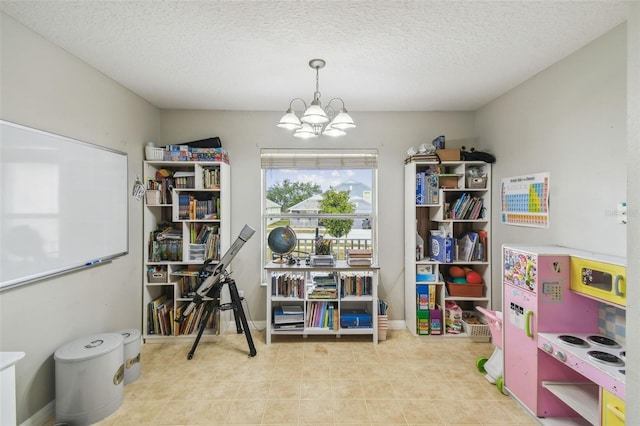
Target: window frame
<point>326,159</point>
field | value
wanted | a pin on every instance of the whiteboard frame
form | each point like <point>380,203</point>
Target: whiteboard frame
<point>61,270</point>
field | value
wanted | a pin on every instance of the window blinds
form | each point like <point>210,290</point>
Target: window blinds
<point>319,159</point>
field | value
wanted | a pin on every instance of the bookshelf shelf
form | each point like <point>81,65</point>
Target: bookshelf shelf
<point>438,197</point>
<point>178,246</point>
<point>342,279</point>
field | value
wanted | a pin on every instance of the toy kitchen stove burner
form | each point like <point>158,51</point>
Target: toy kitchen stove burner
<point>605,358</point>
<point>603,341</point>
<point>573,341</point>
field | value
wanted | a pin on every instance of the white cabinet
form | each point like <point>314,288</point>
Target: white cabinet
<point>323,300</point>
<point>186,221</point>
<point>448,211</point>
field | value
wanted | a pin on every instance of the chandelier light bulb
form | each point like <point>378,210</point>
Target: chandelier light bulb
<point>305,132</point>
<point>333,131</point>
<point>315,115</point>
<point>290,121</point>
<point>343,121</point>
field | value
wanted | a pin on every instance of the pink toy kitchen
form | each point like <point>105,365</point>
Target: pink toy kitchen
<point>564,333</point>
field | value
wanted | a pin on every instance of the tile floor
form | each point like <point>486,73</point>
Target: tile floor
<point>319,380</point>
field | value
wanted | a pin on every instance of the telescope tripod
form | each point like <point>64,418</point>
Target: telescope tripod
<point>212,305</point>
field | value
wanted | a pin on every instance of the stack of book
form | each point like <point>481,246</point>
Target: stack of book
<point>467,207</point>
<point>288,317</point>
<point>422,157</point>
<point>325,286</point>
<point>359,257</point>
<point>472,246</point>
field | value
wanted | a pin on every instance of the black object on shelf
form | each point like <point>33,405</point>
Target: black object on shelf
<point>213,142</point>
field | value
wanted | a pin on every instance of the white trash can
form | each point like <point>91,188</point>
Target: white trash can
<point>132,343</point>
<point>89,376</point>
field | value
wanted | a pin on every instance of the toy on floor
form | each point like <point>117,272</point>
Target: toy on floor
<point>493,366</point>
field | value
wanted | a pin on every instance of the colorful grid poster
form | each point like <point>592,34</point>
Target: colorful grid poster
<point>525,200</point>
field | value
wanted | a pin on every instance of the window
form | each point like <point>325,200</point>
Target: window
<point>326,194</point>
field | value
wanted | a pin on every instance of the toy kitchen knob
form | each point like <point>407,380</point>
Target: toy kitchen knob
<point>561,356</point>
<point>547,348</point>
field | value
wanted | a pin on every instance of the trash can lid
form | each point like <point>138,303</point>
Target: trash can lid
<point>89,347</point>
<point>130,335</point>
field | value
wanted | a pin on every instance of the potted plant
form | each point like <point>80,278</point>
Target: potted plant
<point>322,245</point>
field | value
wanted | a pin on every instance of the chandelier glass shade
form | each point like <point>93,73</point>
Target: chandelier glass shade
<point>316,119</point>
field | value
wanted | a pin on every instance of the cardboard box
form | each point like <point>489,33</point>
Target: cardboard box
<point>448,181</point>
<point>449,154</point>
<point>441,249</point>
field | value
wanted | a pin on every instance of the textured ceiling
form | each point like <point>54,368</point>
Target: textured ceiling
<point>381,55</point>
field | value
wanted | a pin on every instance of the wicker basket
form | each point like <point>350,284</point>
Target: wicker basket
<point>475,329</point>
<point>477,182</point>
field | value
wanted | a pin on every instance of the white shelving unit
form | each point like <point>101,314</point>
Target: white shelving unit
<point>301,295</point>
<point>446,183</point>
<point>194,201</point>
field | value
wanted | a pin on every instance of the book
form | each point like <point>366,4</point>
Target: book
<point>467,246</point>
<point>291,309</point>
<point>420,192</point>
<point>292,326</point>
<point>279,317</point>
<point>153,311</point>
<point>359,257</point>
<point>359,252</point>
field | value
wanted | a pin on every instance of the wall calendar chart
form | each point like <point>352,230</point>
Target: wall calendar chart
<point>525,200</point>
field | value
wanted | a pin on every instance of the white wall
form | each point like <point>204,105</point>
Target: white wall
<point>42,86</point>
<point>244,133</point>
<point>570,121</point>
<point>579,120</point>
<point>633,194</point>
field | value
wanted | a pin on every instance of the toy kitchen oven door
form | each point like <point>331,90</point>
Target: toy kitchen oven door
<point>603,278</point>
<point>537,299</point>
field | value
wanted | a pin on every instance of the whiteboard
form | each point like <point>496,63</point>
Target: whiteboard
<point>63,204</point>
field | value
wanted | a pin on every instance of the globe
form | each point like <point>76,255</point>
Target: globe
<point>282,240</point>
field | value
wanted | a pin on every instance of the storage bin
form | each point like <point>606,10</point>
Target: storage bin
<point>153,197</point>
<point>477,182</point>
<point>465,289</point>
<point>153,153</point>
<point>473,329</point>
<point>157,276</point>
<point>89,376</point>
<point>132,343</point>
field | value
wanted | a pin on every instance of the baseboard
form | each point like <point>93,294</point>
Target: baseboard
<point>260,325</point>
<point>43,415</point>
<point>397,325</point>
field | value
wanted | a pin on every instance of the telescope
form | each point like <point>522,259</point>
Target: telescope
<point>209,292</point>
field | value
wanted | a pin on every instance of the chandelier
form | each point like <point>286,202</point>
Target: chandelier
<point>317,120</point>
